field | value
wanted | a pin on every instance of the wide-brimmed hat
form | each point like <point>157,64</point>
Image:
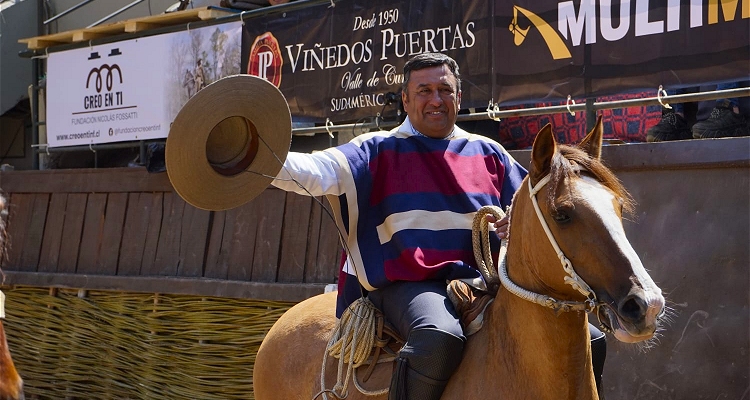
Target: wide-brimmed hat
<point>228,142</point>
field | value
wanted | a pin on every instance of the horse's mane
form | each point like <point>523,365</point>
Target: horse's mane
<point>561,168</point>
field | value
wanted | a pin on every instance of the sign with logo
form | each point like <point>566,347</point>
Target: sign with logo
<point>265,59</point>
<point>132,90</point>
<point>345,62</point>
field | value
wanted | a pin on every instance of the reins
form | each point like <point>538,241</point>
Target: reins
<point>484,259</point>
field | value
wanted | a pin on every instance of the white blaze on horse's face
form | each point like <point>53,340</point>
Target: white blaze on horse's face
<point>645,301</point>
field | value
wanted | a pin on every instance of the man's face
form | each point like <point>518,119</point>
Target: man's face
<point>432,101</point>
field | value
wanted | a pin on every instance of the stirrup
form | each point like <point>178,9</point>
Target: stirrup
<point>385,339</point>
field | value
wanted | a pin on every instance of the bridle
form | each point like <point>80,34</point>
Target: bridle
<point>572,278</point>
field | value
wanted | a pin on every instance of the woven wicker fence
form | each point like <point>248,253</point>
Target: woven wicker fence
<point>108,345</point>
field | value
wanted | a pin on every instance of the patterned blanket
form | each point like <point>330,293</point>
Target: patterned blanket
<point>626,124</point>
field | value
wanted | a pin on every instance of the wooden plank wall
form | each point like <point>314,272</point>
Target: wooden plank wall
<point>127,223</point>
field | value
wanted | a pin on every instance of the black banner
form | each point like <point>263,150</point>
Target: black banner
<point>345,62</point>
<point>547,50</point>
<point>341,62</point>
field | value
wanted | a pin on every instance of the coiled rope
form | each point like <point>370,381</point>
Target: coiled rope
<point>480,230</point>
<point>351,342</point>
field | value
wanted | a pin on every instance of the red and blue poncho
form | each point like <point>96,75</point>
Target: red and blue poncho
<point>405,202</point>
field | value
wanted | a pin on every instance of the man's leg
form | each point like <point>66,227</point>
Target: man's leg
<point>421,312</point>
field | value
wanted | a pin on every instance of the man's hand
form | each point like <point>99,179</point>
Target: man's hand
<point>501,226</point>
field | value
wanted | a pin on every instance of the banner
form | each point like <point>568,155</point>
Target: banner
<point>132,90</point>
<point>345,62</point>
<point>547,50</point>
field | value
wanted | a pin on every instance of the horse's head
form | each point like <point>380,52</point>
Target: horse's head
<point>11,384</point>
<point>582,203</point>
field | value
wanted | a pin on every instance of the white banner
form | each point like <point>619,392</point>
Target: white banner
<point>132,90</point>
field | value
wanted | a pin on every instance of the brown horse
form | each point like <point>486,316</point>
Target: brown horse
<point>11,384</point>
<point>525,350</point>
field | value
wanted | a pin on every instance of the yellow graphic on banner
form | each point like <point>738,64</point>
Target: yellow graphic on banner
<point>729,9</point>
<point>555,44</point>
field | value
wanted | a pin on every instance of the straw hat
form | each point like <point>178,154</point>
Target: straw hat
<point>228,142</point>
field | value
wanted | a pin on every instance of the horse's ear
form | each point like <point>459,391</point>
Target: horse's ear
<point>541,154</point>
<point>592,143</point>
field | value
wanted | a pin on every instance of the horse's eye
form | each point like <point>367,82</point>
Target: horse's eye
<point>561,217</point>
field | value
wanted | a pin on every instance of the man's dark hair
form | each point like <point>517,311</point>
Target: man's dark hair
<point>427,60</point>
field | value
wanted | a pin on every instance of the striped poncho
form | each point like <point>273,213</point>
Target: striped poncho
<point>405,202</point>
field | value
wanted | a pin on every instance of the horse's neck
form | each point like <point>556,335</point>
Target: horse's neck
<point>536,354</point>
<point>540,352</point>
<point>527,350</point>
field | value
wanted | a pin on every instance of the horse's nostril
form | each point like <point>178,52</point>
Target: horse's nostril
<point>633,307</point>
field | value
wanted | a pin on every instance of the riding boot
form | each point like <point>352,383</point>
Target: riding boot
<point>598,355</point>
<point>425,364</point>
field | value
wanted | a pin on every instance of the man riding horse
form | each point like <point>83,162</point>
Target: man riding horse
<point>404,201</point>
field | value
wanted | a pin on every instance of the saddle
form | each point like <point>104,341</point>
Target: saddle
<point>469,302</point>
<point>363,336</point>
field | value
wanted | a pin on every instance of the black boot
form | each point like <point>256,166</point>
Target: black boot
<point>672,126</point>
<point>425,364</point>
<point>598,356</point>
<point>723,122</point>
